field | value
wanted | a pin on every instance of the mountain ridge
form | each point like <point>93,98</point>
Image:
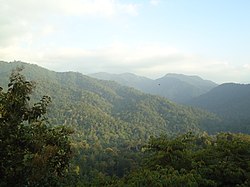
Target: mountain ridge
<point>231,101</point>
<point>108,108</point>
<point>176,87</point>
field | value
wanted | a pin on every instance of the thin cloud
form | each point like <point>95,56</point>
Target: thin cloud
<point>130,9</point>
<point>106,8</point>
<point>37,18</point>
<point>154,2</point>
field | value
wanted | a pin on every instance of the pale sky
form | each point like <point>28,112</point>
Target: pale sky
<point>208,38</point>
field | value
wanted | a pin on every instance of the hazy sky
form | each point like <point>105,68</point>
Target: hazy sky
<point>209,38</point>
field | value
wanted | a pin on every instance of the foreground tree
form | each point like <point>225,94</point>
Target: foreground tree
<point>32,153</point>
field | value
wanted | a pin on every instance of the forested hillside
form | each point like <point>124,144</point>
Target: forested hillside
<point>175,87</point>
<point>111,122</point>
<point>90,103</point>
<point>35,153</point>
<point>230,101</point>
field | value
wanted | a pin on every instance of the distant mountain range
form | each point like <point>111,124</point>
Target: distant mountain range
<point>176,87</point>
<point>228,99</point>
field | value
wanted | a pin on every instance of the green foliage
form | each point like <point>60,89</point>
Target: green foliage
<point>31,152</point>
<point>194,160</point>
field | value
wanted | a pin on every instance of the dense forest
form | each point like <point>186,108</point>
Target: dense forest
<point>89,132</point>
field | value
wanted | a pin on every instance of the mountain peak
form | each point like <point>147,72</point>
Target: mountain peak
<point>176,87</point>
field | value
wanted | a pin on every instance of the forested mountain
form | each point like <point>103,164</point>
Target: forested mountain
<point>104,105</point>
<point>176,87</point>
<point>113,125</point>
<point>231,101</point>
<point>110,120</point>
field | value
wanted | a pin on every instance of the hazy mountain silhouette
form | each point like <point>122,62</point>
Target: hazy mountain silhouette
<point>176,87</point>
<point>230,101</point>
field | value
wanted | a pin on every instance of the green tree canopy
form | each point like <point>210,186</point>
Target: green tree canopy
<point>194,160</point>
<point>32,152</point>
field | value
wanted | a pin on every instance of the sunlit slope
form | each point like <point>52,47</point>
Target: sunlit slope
<point>106,111</point>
